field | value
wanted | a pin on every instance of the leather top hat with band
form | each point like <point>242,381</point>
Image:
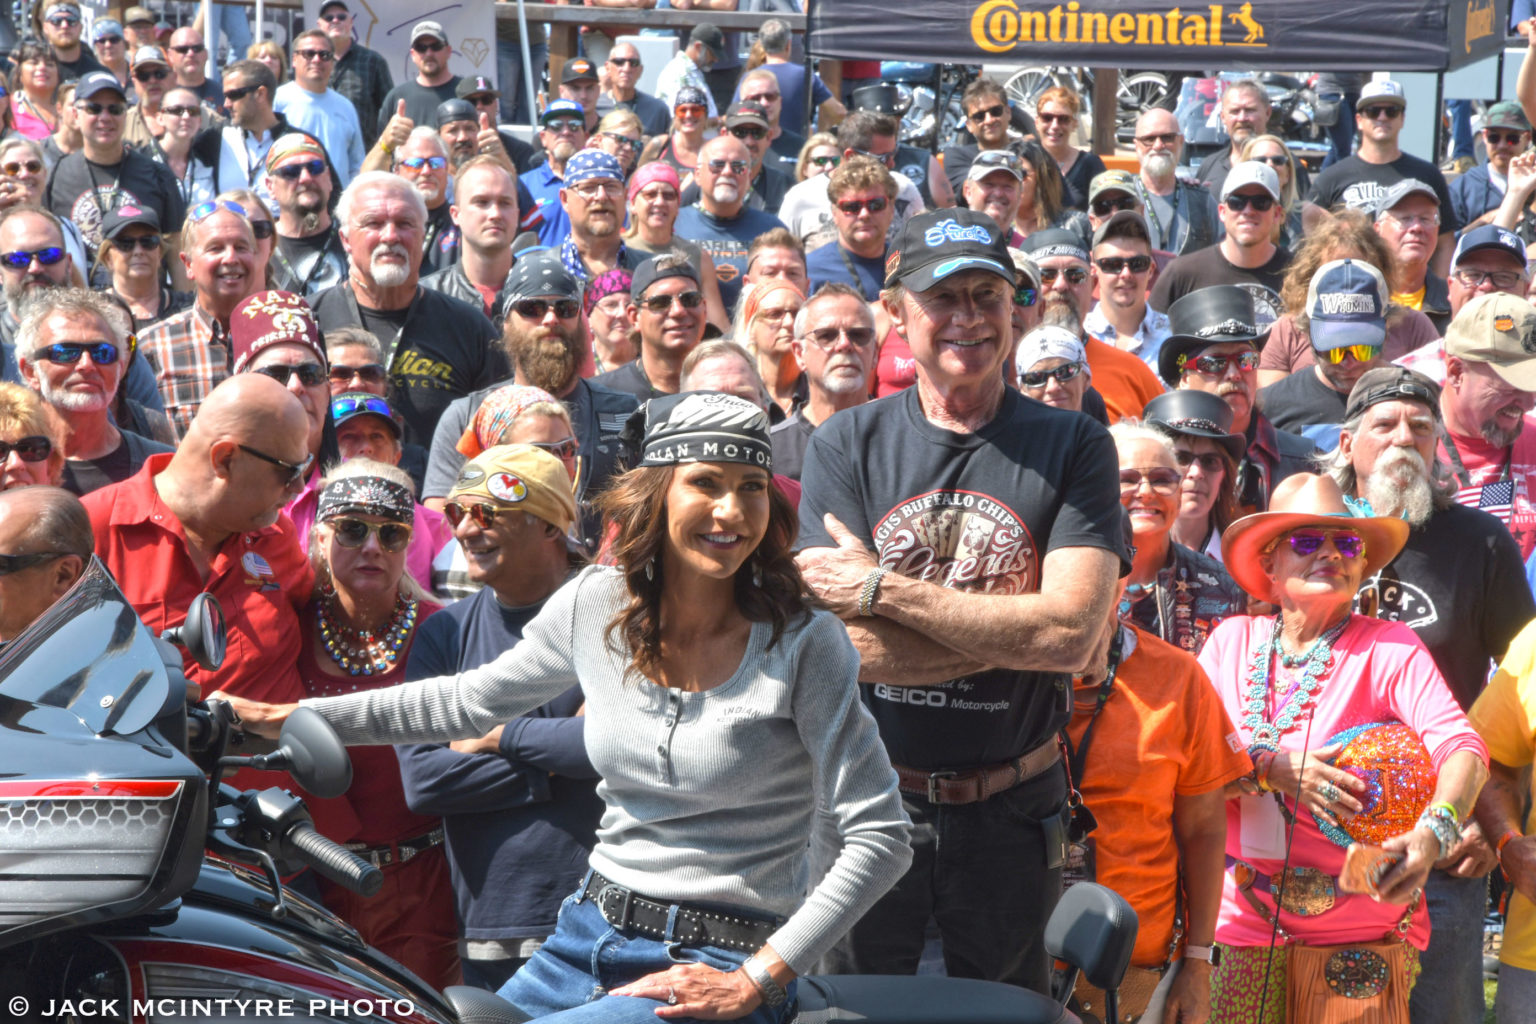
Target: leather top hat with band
<point>1217,315</point>
<point>1196,414</point>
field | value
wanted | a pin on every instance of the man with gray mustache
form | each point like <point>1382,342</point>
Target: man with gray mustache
<point>1182,217</point>
<point>1459,584</point>
<point>437,348</point>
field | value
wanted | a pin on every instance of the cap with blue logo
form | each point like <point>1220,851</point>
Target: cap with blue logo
<point>587,164</point>
<point>1489,236</point>
<point>937,243</point>
<point>562,108</point>
<point>1346,305</point>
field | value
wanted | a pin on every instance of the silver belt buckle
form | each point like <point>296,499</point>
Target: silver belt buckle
<point>934,778</point>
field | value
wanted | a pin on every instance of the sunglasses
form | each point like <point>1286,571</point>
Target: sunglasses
<point>564,124</point>
<point>110,41</point>
<point>324,56</point>
<point>1025,296</point>
<point>310,374</point>
<point>194,48</point>
<point>335,18</point>
<point>1159,138</point>
<point>353,533</point>
<point>1237,202</point>
<point>202,211</point>
<point>889,159</point>
<point>151,75</point>
<point>63,21</point>
<point>736,166</point>
<point>825,337</point>
<point>148,243</point>
<point>481,514</point>
<point>763,99</point>
<point>620,140</point>
<point>427,47</point>
<point>67,353</point>
<point>93,109</point>
<point>984,113</point>
<point>661,303</point>
<point>1209,462</point>
<point>1215,366</point>
<point>561,450</point>
<point>295,471</point>
<point>1113,265</point>
<point>827,161</point>
<point>690,110</point>
<point>748,131</point>
<point>368,373</point>
<point>1494,138</point>
<point>16,167</point>
<point>21,259</point>
<point>1105,207</point>
<point>182,111</point>
<point>240,93</point>
<point>1274,159</point>
<point>1074,275</point>
<point>261,230</point>
<point>1348,545</point>
<point>1061,374</point>
<point>624,62</point>
<point>292,172</point>
<point>854,207</point>
<point>1360,353</point>
<point>1376,110</point>
<point>16,563</point>
<point>31,449</point>
<point>1160,479</point>
<point>1467,277</point>
<point>1055,118</point>
<point>416,163</point>
<point>538,309</point>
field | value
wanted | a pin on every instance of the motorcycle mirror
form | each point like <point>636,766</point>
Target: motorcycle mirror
<point>316,757</point>
<point>203,633</point>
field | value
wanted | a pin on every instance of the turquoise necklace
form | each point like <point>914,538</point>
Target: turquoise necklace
<point>1265,734</point>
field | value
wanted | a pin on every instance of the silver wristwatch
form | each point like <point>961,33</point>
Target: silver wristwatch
<point>774,995</point>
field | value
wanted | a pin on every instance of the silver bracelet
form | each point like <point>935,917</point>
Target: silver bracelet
<point>871,591</point>
<point>1443,829</point>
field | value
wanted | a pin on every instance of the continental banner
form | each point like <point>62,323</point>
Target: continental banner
<point>1311,35</point>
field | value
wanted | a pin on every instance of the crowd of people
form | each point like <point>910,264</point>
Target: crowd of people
<point>700,522</point>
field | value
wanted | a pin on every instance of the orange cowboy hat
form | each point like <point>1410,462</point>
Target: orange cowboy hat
<point>1304,499</point>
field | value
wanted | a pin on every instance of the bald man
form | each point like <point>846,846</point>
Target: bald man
<point>209,517</point>
<point>721,223</point>
<point>47,529</point>
<point>1182,217</point>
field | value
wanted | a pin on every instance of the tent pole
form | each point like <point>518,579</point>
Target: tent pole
<point>810,97</point>
<point>210,36</point>
<point>1439,117</point>
<point>522,34</point>
<point>260,4</point>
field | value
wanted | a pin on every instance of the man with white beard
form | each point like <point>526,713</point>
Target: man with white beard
<point>423,161</point>
<point>1182,217</point>
<point>436,347</point>
<point>70,345</point>
<point>835,347</point>
<point>1459,584</point>
<point>721,223</point>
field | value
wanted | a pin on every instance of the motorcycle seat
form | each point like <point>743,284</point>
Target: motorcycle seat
<point>889,999</point>
<point>1093,928</point>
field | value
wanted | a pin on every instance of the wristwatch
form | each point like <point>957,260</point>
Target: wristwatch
<point>1210,954</point>
<point>774,995</point>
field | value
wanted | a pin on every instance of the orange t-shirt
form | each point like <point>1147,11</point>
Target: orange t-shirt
<point>1162,733</point>
<point>1125,382</point>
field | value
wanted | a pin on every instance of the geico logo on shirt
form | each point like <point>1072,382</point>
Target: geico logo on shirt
<point>912,695</point>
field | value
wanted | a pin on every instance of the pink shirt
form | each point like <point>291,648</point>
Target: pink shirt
<point>429,535</point>
<point>1381,673</point>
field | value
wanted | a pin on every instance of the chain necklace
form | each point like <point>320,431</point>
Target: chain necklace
<point>366,652</point>
<point>1265,733</point>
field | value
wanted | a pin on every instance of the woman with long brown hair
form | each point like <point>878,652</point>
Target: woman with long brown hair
<point>724,717</point>
<point>1056,118</point>
<point>34,89</point>
<point>1040,196</point>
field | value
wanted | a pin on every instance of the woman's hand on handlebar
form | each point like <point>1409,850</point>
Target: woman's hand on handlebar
<point>696,990</point>
<point>255,717</point>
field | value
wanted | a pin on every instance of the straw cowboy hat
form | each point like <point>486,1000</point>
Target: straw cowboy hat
<point>1302,500</point>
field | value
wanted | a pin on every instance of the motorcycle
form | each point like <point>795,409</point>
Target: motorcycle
<point>136,886</point>
<point>928,102</point>
<point>1297,115</point>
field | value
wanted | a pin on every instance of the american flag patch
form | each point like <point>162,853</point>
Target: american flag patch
<point>1496,498</point>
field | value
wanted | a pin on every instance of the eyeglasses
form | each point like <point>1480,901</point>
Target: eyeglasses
<point>1360,353</point>
<point>1348,545</point>
<point>152,75</point>
<point>888,159</point>
<point>193,111</point>
<point>368,373</point>
<point>827,161</point>
<point>1055,118</point>
<point>1025,296</point>
<point>310,374</point>
<point>538,309</point>
<point>658,194</point>
<point>1158,139</point>
<point>748,131</point>
<point>1074,275</point>
<point>93,109</point>
<point>1209,462</point>
<point>1497,138</point>
<point>427,47</point>
<point>67,353</point>
<point>1113,265</point>
<point>598,188</point>
<point>1061,374</point>
<point>293,172</point>
<point>978,116</point>
<point>148,243</point>
<point>15,167</point>
<point>1106,207</point>
<point>772,313</point>
<point>564,124</point>
<point>21,259</point>
<point>36,448</point>
<point>662,303</point>
<point>353,533</point>
<point>1387,110</point>
<point>202,211</point>
<point>335,17</point>
<point>1160,479</point>
<point>416,163</point>
<point>1274,159</point>
<point>295,471</point>
<point>1468,277</point>
<point>1237,202</point>
<point>1215,366</point>
<point>561,450</point>
<point>324,56</point>
<point>16,563</point>
<point>621,140</point>
<point>480,513</point>
<point>63,20</point>
<point>854,207</point>
<point>825,337</point>
<point>719,166</point>
<point>624,62</point>
<point>194,48</point>
<point>239,93</point>
<point>1427,221</point>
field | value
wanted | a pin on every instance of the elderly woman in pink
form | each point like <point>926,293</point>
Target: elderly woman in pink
<point>1321,697</point>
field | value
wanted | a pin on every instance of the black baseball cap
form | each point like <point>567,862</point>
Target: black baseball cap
<point>475,85</point>
<point>712,38</point>
<point>1392,384</point>
<point>578,69</point>
<point>334,3</point>
<point>98,81</point>
<point>125,216</point>
<point>648,273</point>
<point>937,243</point>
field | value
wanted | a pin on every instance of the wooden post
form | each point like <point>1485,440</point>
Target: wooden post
<point>562,47</point>
<point>1106,107</point>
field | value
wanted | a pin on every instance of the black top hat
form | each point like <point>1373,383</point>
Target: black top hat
<point>881,98</point>
<point>1196,414</point>
<point>1216,315</point>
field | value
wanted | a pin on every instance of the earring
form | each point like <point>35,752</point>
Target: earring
<point>757,573</point>
<point>650,569</point>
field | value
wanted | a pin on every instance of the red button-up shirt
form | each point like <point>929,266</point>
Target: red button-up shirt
<point>260,579</point>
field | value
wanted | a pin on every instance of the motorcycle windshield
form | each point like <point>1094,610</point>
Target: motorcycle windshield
<point>90,655</point>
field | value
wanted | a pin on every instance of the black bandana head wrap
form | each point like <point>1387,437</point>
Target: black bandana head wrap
<point>366,496</point>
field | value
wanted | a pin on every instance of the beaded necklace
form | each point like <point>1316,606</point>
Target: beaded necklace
<point>1265,733</point>
<point>366,652</point>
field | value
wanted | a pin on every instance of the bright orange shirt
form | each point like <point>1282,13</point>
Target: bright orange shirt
<point>1125,382</point>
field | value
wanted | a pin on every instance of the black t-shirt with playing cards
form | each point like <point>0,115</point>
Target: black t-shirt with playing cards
<point>973,512</point>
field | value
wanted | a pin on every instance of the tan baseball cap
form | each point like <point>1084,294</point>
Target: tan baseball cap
<point>1500,330</point>
<point>520,476</point>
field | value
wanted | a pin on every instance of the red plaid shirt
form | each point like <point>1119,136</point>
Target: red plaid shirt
<point>189,353</point>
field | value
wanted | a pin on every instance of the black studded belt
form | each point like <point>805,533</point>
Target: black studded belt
<point>689,924</point>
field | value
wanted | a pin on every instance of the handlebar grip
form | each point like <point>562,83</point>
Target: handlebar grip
<point>335,861</point>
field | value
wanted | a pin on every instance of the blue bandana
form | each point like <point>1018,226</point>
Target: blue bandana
<point>587,164</point>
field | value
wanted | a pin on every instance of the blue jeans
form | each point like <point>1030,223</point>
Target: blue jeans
<point>587,956</point>
<point>1451,987</point>
<point>1516,1001</point>
<point>1342,131</point>
<point>235,22</point>
<point>509,75</point>
<point>1461,128</point>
